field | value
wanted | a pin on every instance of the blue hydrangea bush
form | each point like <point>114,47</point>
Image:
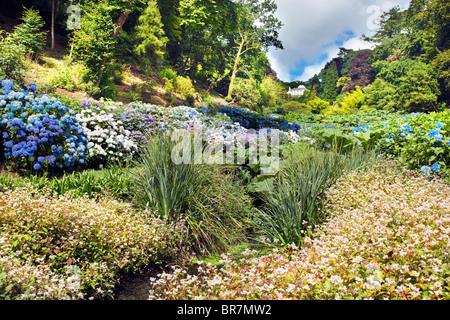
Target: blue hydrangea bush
<point>39,131</point>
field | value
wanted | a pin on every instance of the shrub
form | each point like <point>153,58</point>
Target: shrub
<point>295,106</point>
<point>246,93</point>
<point>168,74</point>
<point>107,138</point>
<point>317,105</point>
<point>418,140</point>
<point>12,58</point>
<point>68,77</point>
<point>28,34</point>
<point>183,86</point>
<point>63,79</point>
<point>38,131</point>
<point>54,247</point>
<point>271,92</point>
<point>352,101</point>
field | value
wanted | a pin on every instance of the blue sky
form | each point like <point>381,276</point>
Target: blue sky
<point>314,30</point>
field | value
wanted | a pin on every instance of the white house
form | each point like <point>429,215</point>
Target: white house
<point>297,91</point>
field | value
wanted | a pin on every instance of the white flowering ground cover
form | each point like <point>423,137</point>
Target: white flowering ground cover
<point>387,237</point>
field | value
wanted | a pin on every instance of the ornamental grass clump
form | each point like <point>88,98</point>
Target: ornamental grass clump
<point>295,202</point>
<point>214,205</point>
<point>387,237</point>
<point>58,247</point>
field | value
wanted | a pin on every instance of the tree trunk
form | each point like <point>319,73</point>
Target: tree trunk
<point>120,21</point>
<point>52,28</point>
<point>100,74</point>
<point>235,68</point>
<point>55,9</point>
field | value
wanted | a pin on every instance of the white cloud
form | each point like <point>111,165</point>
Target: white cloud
<point>312,28</point>
<point>310,71</point>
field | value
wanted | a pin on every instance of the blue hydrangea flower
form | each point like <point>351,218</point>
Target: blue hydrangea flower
<point>433,132</point>
<point>439,125</point>
<point>436,167</point>
<point>425,169</point>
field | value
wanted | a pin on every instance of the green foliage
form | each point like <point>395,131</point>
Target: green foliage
<point>166,186</point>
<point>114,181</point>
<point>150,33</point>
<point>257,28</point>
<point>382,95</point>
<point>246,93</point>
<point>28,33</point>
<point>183,86</point>
<point>63,80</point>
<point>214,206</point>
<point>12,58</point>
<point>318,105</point>
<point>418,146</point>
<point>203,53</point>
<point>68,77</point>
<point>170,18</point>
<point>294,206</point>
<point>342,82</point>
<point>271,92</point>
<point>419,90</point>
<point>403,85</point>
<point>337,139</point>
<point>441,64</point>
<point>295,106</point>
<point>93,44</point>
<point>168,73</point>
<point>330,88</point>
<point>353,101</point>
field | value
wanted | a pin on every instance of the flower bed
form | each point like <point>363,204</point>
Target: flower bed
<point>64,248</point>
<point>39,131</point>
<point>387,238</point>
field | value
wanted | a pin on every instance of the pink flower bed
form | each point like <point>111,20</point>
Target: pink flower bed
<point>387,237</point>
<point>58,247</point>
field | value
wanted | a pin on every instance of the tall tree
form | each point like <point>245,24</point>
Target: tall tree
<point>361,71</point>
<point>204,48</point>
<point>55,10</point>
<point>170,18</point>
<point>93,43</point>
<point>330,80</point>
<point>28,32</point>
<point>257,28</point>
<point>150,34</point>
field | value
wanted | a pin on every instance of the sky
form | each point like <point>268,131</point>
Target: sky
<point>314,30</point>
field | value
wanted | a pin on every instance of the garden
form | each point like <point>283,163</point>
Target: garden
<point>358,208</point>
<point>154,141</point>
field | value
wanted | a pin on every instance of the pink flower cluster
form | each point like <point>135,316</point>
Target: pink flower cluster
<point>386,237</point>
